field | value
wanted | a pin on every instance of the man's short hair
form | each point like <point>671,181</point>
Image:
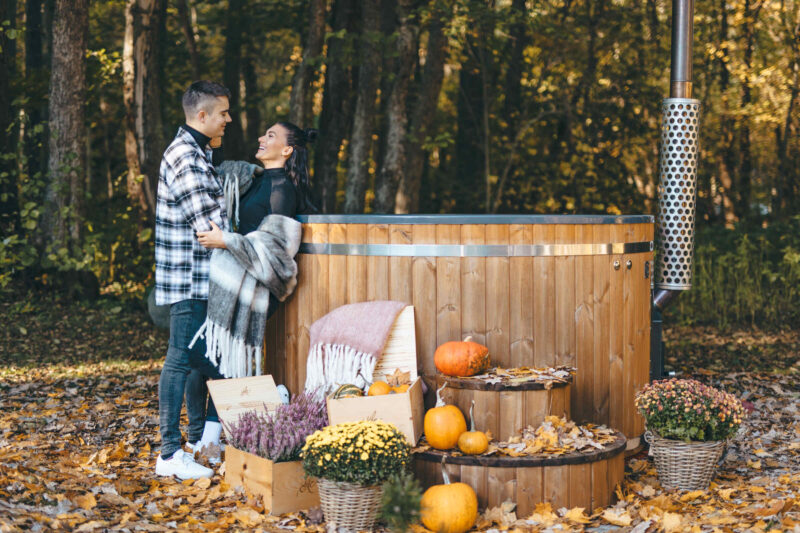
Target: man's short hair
<point>200,95</point>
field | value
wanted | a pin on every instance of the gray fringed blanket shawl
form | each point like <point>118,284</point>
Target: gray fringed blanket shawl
<point>241,279</point>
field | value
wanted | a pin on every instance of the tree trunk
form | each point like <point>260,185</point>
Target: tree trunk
<point>393,165</point>
<point>337,106</point>
<point>726,164</point>
<point>9,208</point>
<point>252,99</point>
<point>744,186</point>
<point>469,147</point>
<point>302,98</point>
<point>64,197</point>
<point>408,192</point>
<point>234,136</point>
<point>513,87</point>
<point>35,70</point>
<point>364,118</point>
<point>188,35</point>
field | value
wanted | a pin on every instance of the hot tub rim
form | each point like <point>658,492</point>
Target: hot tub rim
<point>455,219</point>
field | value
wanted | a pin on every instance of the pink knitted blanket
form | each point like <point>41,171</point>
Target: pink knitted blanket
<point>346,344</point>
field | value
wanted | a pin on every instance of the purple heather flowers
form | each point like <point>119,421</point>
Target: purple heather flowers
<point>279,436</point>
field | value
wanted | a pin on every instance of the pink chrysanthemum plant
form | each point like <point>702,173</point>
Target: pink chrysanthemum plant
<point>687,410</point>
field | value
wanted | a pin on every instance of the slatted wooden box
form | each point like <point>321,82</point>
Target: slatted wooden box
<point>405,410</point>
<point>283,487</point>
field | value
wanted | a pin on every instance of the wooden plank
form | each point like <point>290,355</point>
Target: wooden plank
<point>337,268</point>
<point>401,282</point>
<point>556,485</point>
<point>601,265</point>
<point>486,411</point>
<point>583,387</point>
<point>319,292</point>
<point>448,288</point>
<point>400,350</point>
<point>580,486</point>
<point>498,295</point>
<point>537,404</point>
<point>601,497</point>
<point>377,266</point>
<point>501,484</point>
<point>616,471</point>
<point>473,286</point>
<point>424,296</point>
<point>306,265</point>
<point>520,300</point>
<point>642,317</point>
<point>292,490</point>
<point>616,327</point>
<point>236,396</point>
<point>558,402</point>
<point>475,477</point>
<point>291,327</point>
<point>512,404</point>
<point>544,326</point>
<point>565,298</point>
<point>530,489</point>
<point>356,265</point>
<point>629,297</point>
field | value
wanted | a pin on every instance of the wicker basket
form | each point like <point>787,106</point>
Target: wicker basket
<point>684,465</point>
<point>351,506</point>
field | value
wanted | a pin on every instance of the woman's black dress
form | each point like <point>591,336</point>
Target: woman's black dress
<point>270,193</point>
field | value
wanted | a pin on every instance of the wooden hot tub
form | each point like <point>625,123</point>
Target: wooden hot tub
<point>538,290</point>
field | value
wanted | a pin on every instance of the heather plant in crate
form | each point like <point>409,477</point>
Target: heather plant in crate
<point>687,410</point>
<point>280,435</point>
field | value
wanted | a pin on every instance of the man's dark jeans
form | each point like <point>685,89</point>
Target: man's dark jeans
<point>185,318</point>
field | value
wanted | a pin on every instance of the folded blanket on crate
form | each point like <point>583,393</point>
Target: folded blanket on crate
<point>240,281</point>
<point>346,344</point>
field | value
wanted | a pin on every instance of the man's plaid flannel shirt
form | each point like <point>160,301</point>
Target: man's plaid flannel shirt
<point>189,196</point>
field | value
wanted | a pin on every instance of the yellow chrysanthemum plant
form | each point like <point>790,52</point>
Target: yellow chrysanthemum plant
<point>365,452</point>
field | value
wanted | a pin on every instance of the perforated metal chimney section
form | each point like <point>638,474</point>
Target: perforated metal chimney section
<point>677,192</point>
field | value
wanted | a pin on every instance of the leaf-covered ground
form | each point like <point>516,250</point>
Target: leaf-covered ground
<point>79,436</point>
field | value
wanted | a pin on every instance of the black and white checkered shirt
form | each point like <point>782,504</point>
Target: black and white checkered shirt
<point>189,196</point>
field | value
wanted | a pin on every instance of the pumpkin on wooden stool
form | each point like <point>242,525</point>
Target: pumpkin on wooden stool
<point>461,358</point>
<point>473,442</point>
<point>443,424</point>
<point>449,508</point>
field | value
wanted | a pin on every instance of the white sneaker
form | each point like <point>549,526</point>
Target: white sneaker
<point>182,466</point>
<point>211,452</point>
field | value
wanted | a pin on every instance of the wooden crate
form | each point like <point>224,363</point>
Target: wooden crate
<point>284,487</point>
<point>233,397</point>
<point>405,410</point>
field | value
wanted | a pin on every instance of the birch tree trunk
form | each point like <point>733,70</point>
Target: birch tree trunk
<point>364,119</point>
<point>64,198</point>
<point>301,103</point>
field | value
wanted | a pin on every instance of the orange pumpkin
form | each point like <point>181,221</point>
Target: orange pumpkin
<point>461,358</point>
<point>443,424</point>
<point>379,388</point>
<point>473,442</point>
<point>400,388</point>
<point>449,508</point>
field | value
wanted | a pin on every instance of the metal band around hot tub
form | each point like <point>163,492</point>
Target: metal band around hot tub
<point>475,250</point>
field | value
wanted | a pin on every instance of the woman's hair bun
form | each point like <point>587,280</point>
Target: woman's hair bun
<point>311,135</point>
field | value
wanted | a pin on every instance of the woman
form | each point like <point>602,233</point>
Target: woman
<point>281,189</point>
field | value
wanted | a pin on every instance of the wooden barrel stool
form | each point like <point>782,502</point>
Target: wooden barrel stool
<point>585,480</point>
<point>506,408</point>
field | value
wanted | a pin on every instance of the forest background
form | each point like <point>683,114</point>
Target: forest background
<point>424,106</point>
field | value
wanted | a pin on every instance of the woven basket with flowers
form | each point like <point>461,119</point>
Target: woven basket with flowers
<point>351,461</point>
<point>688,425</point>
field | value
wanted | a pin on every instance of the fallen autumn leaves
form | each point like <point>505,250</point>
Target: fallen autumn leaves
<point>78,444</point>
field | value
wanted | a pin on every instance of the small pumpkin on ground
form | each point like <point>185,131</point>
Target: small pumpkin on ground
<point>473,442</point>
<point>461,358</point>
<point>449,508</point>
<point>348,390</point>
<point>379,388</point>
<point>443,424</point>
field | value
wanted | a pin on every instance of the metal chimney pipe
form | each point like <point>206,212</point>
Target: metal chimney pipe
<point>678,169</point>
<point>678,182</point>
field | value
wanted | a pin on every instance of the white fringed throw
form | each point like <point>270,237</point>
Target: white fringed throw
<point>240,282</point>
<point>346,344</point>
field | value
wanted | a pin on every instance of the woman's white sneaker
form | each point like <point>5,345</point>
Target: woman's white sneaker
<point>181,465</point>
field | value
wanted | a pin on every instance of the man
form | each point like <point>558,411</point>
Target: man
<point>190,197</point>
